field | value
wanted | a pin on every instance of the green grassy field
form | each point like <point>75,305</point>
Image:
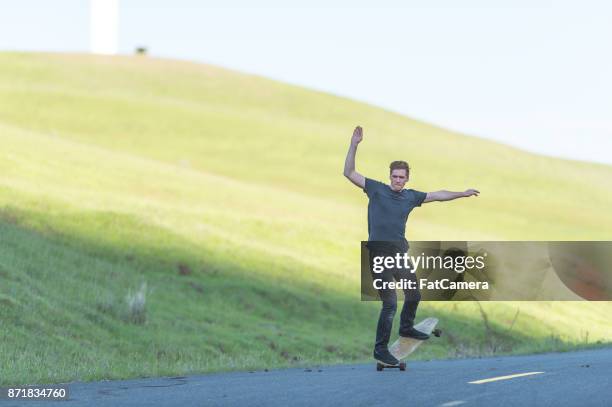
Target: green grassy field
<point>162,218</point>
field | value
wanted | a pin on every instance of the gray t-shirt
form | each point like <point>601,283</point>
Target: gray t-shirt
<point>388,211</point>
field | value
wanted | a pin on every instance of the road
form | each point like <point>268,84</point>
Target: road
<point>580,378</point>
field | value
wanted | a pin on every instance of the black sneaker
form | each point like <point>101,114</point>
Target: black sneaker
<point>413,333</point>
<point>385,357</point>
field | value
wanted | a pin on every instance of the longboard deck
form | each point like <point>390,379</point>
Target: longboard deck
<point>403,347</point>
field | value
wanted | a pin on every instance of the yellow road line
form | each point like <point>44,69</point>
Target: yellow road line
<point>512,376</point>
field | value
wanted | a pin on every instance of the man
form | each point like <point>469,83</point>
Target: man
<point>388,210</point>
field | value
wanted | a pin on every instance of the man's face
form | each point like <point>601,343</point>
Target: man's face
<point>398,179</point>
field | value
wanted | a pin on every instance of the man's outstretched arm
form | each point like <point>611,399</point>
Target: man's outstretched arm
<point>449,195</point>
<point>349,163</point>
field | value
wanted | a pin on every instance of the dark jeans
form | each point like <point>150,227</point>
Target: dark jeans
<point>389,301</point>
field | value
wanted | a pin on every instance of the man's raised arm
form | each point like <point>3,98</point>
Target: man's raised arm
<point>449,195</point>
<point>349,164</point>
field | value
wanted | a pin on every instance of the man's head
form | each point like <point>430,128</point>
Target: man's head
<point>398,174</point>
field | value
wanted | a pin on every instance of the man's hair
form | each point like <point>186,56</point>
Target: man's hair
<point>399,165</point>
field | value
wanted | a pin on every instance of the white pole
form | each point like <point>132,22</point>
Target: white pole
<point>104,24</point>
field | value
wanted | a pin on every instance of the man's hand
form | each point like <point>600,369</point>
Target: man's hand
<point>349,164</point>
<point>449,195</point>
<point>357,136</point>
<point>470,192</point>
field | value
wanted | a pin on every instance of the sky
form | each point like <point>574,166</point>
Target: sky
<point>532,74</point>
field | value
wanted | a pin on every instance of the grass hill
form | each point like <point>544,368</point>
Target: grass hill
<point>161,217</point>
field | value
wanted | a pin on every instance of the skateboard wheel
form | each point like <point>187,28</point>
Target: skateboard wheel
<point>402,366</point>
<point>379,367</point>
<point>437,332</point>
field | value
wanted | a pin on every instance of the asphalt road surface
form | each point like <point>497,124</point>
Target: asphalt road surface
<point>582,378</point>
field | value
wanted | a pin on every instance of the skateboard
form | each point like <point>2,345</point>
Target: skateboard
<point>403,347</point>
